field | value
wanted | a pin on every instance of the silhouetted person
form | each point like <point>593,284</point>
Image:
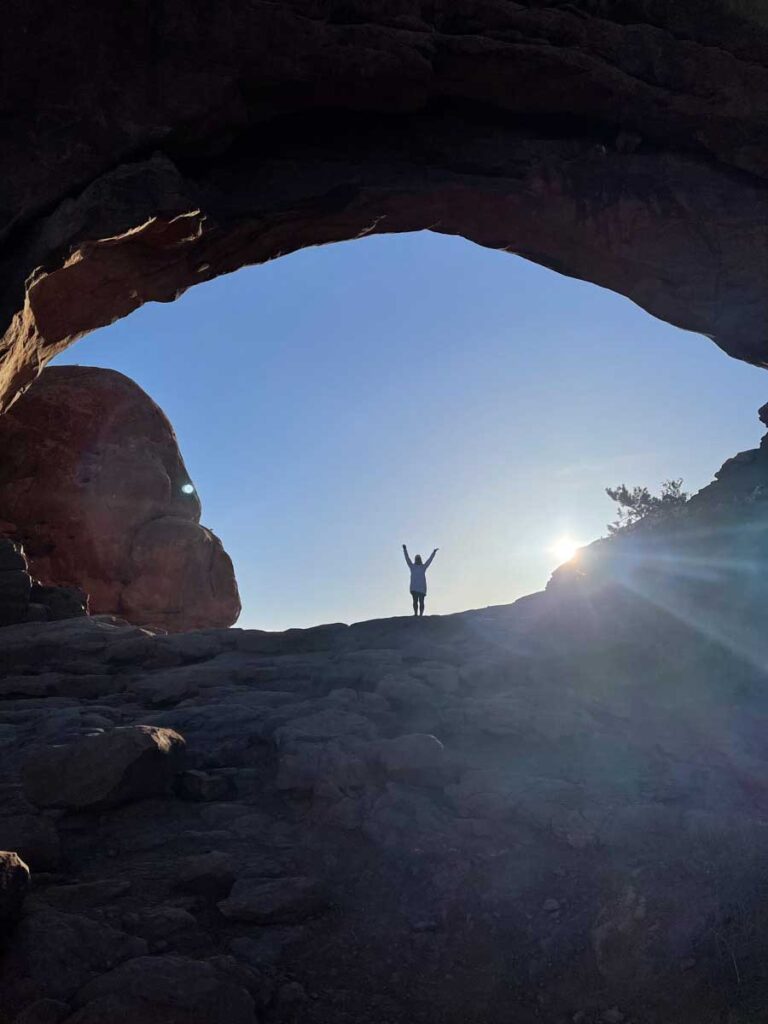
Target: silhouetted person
<point>418,579</point>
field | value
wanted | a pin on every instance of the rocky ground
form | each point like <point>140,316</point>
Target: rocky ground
<point>554,811</point>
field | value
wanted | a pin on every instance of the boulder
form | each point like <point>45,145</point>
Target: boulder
<point>14,882</point>
<point>102,501</point>
<point>104,770</point>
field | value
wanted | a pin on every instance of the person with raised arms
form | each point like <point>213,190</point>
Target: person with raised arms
<point>418,579</point>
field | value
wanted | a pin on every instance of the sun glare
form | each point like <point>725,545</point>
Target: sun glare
<point>564,549</point>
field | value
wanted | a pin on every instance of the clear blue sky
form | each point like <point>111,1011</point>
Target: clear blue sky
<point>342,400</point>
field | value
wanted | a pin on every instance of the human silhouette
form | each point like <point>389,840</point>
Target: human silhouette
<point>418,579</point>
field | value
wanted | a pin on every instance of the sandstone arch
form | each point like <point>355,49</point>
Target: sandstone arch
<point>626,144</point>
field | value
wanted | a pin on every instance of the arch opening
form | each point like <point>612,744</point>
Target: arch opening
<point>417,385</point>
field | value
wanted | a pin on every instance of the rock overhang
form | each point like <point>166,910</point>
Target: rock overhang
<point>626,147</point>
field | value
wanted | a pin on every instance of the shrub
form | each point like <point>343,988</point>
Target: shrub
<point>638,505</point>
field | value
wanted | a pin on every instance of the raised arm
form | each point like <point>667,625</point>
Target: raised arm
<point>407,557</point>
<point>429,560</point>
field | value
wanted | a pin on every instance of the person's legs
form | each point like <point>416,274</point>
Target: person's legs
<point>421,604</point>
<point>415,598</point>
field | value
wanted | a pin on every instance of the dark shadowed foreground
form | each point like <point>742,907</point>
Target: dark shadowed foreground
<point>553,811</point>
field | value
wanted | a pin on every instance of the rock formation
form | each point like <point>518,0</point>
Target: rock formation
<point>94,486</point>
<point>551,812</point>
<point>555,809</point>
<point>626,144</point>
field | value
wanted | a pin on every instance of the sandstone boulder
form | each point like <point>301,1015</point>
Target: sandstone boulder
<point>102,500</point>
<point>14,882</point>
<point>104,770</point>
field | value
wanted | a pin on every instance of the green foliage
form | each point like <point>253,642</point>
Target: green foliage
<point>638,505</point>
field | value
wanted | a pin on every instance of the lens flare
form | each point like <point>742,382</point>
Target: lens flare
<point>187,489</point>
<point>564,549</point>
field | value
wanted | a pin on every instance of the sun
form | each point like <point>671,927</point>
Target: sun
<point>564,548</point>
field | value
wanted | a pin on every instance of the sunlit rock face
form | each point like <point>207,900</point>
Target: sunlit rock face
<point>94,485</point>
<point>623,143</point>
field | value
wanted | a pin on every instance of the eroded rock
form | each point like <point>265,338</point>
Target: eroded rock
<point>102,501</point>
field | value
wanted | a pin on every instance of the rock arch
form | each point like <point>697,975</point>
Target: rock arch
<point>626,144</point>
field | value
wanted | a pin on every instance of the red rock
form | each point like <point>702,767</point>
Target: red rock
<point>97,488</point>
